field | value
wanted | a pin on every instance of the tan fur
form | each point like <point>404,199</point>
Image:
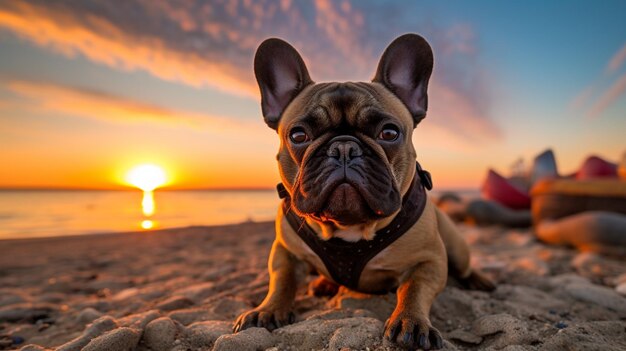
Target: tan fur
<point>457,249</point>
<point>367,95</point>
<point>422,243</point>
<point>416,264</point>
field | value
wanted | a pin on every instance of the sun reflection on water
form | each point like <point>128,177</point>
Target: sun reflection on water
<point>147,224</point>
<point>147,177</point>
<point>147,203</point>
<point>148,207</point>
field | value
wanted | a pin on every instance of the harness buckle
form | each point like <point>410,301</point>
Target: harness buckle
<point>282,191</point>
<point>425,177</point>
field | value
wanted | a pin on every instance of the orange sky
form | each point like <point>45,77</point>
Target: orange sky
<point>87,92</point>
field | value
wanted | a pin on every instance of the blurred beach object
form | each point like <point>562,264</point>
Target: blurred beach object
<point>544,166</point>
<point>586,209</point>
<point>595,167</point>
<point>501,190</point>
<point>557,198</point>
<point>514,191</point>
<point>621,169</point>
<point>483,212</point>
<point>591,231</point>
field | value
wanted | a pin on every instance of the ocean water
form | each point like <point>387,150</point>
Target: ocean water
<point>30,213</point>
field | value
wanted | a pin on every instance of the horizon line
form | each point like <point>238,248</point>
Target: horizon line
<point>129,188</point>
<point>55,188</point>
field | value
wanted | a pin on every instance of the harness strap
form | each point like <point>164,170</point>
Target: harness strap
<point>345,260</point>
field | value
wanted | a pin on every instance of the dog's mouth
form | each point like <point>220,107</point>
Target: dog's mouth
<point>345,206</point>
<point>345,187</point>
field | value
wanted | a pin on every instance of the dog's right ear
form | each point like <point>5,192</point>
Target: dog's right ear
<point>281,75</point>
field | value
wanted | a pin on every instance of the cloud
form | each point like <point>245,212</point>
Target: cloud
<point>84,103</point>
<point>597,100</point>
<point>103,33</point>
<point>581,100</point>
<point>211,44</point>
<point>461,116</point>
<point>342,26</point>
<point>608,97</point>
<point>617,60</point>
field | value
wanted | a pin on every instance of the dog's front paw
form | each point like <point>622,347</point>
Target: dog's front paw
<point>412,333</point>
<point>263,318</point>
<point>323,287</point>
<point>478,281</point>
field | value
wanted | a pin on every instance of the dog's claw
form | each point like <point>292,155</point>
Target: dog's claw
<point>413,334</point>
<point>269,320</point>
<point>435,339</point>
<point>391,333</point>
<point>423,342</point>
<point>408,337</point>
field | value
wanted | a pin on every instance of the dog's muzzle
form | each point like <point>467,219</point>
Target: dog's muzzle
<point>344,149</point>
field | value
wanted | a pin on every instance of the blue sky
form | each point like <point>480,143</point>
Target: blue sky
<point>171,82</point>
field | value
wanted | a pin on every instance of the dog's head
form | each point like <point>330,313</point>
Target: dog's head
<point>346,155</point>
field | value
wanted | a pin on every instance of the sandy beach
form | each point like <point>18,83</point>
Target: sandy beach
<point>180,289</point>
<point>142,143</point>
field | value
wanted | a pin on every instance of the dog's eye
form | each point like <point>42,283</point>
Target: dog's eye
<point>389,133</point>
<point>298,136</point>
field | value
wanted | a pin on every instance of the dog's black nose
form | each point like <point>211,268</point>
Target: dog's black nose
<point>344,148</point>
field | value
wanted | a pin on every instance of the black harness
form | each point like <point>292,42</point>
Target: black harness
<point>345,260</point>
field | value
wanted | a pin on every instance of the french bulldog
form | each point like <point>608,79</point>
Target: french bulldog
<point>355,207</point>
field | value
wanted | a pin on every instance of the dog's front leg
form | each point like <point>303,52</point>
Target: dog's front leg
<point>276,310</point>
<point>409,325</point>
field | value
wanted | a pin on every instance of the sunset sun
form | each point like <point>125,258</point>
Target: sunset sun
<point>146,177</point>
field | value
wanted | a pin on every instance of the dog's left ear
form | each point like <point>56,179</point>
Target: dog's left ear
<point>405,68</point>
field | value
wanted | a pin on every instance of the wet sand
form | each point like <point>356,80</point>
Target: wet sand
<point>181,289</point>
